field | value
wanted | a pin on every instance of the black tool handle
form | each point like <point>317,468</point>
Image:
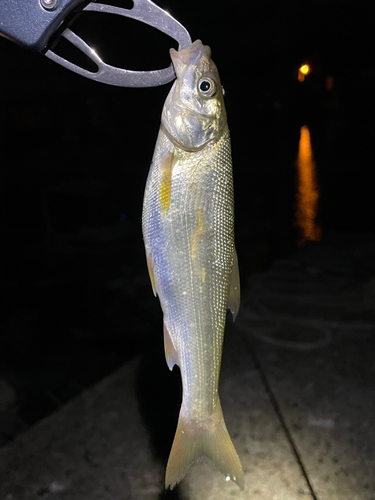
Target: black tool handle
<point>31,23</point>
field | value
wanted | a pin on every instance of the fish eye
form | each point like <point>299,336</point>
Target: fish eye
<point>206,87</point>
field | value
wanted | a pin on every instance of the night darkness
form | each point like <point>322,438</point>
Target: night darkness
<point>74,160</point>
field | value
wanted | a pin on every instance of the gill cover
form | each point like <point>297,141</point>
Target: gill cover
<point>194,111</point>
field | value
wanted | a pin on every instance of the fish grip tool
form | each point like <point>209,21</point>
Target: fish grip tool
<point>33,24</point>
<point>145,11</point>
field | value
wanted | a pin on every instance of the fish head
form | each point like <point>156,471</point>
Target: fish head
<point>194,111</point>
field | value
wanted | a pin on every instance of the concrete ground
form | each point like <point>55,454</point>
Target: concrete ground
<point>297,390</point>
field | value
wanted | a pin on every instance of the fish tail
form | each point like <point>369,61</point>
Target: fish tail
<point>209,438</point>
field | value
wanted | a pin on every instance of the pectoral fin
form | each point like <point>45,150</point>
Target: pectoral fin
<point>150,267</point>
<point>234,289</point>
<point>170,351</point>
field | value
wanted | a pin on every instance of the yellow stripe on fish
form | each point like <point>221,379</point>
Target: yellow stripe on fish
<point>166,181</point>
<point>195,237</point>
<point>203,274</point>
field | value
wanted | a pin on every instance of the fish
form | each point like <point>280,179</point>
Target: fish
<point>188,232</point>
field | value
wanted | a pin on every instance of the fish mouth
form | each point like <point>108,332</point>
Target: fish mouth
<point>189,55</point>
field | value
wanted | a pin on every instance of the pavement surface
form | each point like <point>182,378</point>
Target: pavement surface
<point>297,390</point>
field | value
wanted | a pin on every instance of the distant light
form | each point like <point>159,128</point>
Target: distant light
<point>329,82</point>
<point>227,478</point>
<point>302,72</point>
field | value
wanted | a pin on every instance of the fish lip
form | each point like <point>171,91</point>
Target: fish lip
<point>181,58</point>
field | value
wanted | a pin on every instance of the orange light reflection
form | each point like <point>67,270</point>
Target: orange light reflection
<point>308,193</point>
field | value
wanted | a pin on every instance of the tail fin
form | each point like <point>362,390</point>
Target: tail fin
<point>209,438</point>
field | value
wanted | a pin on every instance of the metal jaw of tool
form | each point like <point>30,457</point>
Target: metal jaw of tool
<point>145,11</point>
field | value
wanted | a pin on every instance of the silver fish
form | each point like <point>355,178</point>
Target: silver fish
<point>188,230</point>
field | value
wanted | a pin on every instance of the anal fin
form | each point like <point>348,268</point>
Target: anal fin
<point>150,267</point>
<point>170,352</point>
<point>234,288</point>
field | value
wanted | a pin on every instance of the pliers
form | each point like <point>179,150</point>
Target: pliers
<point>33,24</point>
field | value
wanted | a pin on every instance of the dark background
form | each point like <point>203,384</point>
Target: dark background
<point>75,156</point>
